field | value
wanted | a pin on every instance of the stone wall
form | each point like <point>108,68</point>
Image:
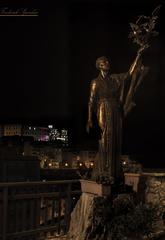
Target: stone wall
<point>155,190</point>
<point>150,186</point>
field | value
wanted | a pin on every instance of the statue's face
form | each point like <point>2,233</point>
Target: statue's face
<point>104,65</point>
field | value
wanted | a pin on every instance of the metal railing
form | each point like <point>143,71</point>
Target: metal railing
<point>33,210</point>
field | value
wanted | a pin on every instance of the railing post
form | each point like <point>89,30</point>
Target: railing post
<point>68,206</point>
<point>59,213</point>
<point>5,210</point>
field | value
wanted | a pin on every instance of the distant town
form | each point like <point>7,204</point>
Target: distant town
<point>48,133</point>
<point>49,145</point>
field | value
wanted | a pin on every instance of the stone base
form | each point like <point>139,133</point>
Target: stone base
<point>150,187</point>
<point>132,179</point>
<point>81,218</point>
<point>95,188</point>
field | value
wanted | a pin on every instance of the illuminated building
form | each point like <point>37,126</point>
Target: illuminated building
<point>78,158</point>
<point>87,157</point>
<point>44,134</point>
<point>56,134</point>
<point>67,157</point>
<point>49,155</point>
<point>38,133</point>
<point>64,136</point>
<point>12,129</point>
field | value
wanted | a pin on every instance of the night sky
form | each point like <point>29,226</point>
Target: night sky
<point>47,63</point>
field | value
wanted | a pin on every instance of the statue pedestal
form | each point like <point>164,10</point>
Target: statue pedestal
<point>95,188</point>
<point>83,213</point>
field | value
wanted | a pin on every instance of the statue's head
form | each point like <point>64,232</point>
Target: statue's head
<point>102,63</point>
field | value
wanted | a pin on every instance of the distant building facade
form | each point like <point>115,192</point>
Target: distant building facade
<point>49,155</point>
<point>12,130</point>
<point>56,134</point>
<point>78,158</point>
<point>38,133</point>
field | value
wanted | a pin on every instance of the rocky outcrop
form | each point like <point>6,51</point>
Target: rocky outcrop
<point>155,192</point>
<point>81,217</point>
<point>149,186</point>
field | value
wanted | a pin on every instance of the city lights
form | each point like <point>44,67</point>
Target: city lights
<point>48,133</point>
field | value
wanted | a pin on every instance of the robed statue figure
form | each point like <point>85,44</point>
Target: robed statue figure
<point>110,102</point>
<point>112,97</point>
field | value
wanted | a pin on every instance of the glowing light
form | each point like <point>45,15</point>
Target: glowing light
<point>80,164</point>
<point>50,126</point>
<point>92,164</point>
<point>50,164</point>
<point>61,138</point>
<point>124,163</point>
<point>66,164</point>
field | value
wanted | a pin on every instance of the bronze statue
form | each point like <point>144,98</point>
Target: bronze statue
<point>111,100</point>
<point>106,100</point>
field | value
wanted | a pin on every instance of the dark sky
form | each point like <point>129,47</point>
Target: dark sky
<point>47,63</point>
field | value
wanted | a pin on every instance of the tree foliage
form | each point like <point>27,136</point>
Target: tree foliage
<point>121,219</point>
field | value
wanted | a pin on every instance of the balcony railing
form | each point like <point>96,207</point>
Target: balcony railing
<point>34,210</point>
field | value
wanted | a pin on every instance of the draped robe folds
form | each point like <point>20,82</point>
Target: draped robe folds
<point>107,101</point>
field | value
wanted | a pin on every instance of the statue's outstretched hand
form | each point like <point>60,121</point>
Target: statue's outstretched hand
<point>89,125</point>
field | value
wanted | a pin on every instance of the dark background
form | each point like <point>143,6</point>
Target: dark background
<point>47,63</point>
